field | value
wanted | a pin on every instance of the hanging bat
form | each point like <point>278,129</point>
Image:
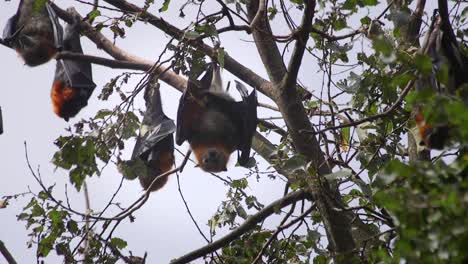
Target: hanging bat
<point>34,32</point>
<point>155,143</point>
<point>214,124</point>
<point>73,81</point>
<point>444,50</point>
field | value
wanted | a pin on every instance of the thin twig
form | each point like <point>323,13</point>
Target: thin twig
<point>250,223</point>
<point>281,228</point>
<point>370,118</point>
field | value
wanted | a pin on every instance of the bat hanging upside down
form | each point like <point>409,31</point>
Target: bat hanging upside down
<point>73,81</point>
<point>155,143</point>
<point>214,124</point>
<point>443,47</point>
<point>34,32</point>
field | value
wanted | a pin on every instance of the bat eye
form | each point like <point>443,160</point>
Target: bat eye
<point>213,161</point>
<point>211,156</point>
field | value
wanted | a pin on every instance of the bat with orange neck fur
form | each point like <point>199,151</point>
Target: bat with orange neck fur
<point>214,124</point>
<point>73,82</point>
<point>445,51</point>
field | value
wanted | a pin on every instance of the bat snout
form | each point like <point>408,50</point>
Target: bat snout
<point>213,161</point>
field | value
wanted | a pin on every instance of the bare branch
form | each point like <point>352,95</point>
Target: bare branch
<point>281,228</point>
<point>166,75</point>
<point>9,258</point>
<point>374,117</point>
<point>290,78</point>
<point>266,44</point>
<point>233,66</point>
<point>250,223</point>
<point>114,64</point>
<point>260,13</point>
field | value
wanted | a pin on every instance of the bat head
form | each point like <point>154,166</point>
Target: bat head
<point>212,157</point>
<point>67,101</point>
<point>36,52</point>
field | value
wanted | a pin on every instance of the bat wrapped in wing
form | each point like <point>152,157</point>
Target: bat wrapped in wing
<point>214,124</point>
<point>441,44</point>
<point>155,143</point>
<point>73,80</point>
<point>34,32</point>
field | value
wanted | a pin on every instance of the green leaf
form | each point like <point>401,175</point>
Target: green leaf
<point>165,6</point>
<point>93,14</point>
<point>118,243</point>
<point>423,63</point>
<point>190,34</point>
<point>341,174</point>
<point>221,57</point>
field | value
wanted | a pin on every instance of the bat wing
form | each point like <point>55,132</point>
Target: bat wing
<point>76,74</point>
<point>243,115</point>
<point>156,130</point>
<point>56,27</point>
<point>154,138</point>
<point>10,30</point>
<point>248,110</point>
<point>1,122</point>
<point>450,49</point>
<point>191,106</point>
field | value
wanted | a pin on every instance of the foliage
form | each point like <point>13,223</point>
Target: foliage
<point>416,209</point>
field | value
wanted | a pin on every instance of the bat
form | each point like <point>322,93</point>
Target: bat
<point>214,124</point>
<point>155,143</point>
<point>34,32</point>
<point>73,81</point>
<point>444,50</point>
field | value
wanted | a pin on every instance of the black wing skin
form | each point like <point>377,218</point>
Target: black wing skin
<point>57,28</point>
<point>458,61</point>
<point>1,122</point>
<point>191,106</point>
<point>249,122</point>
<point>197,98</point>
<point>76,75</point>
<point>243,115</point>
<point>9,31</point>
<point>156,127</point>
<point>155,143</point>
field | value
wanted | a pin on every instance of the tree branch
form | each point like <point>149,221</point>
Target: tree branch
<point>290,78</point>
<point>374,117</point>
<point>281,228</point>
<point>266,44</point>
<point>166,75</point>
<point>9,258</point>
<point>114,64</point>
<point>250,223</point>
<point>230,64</point>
